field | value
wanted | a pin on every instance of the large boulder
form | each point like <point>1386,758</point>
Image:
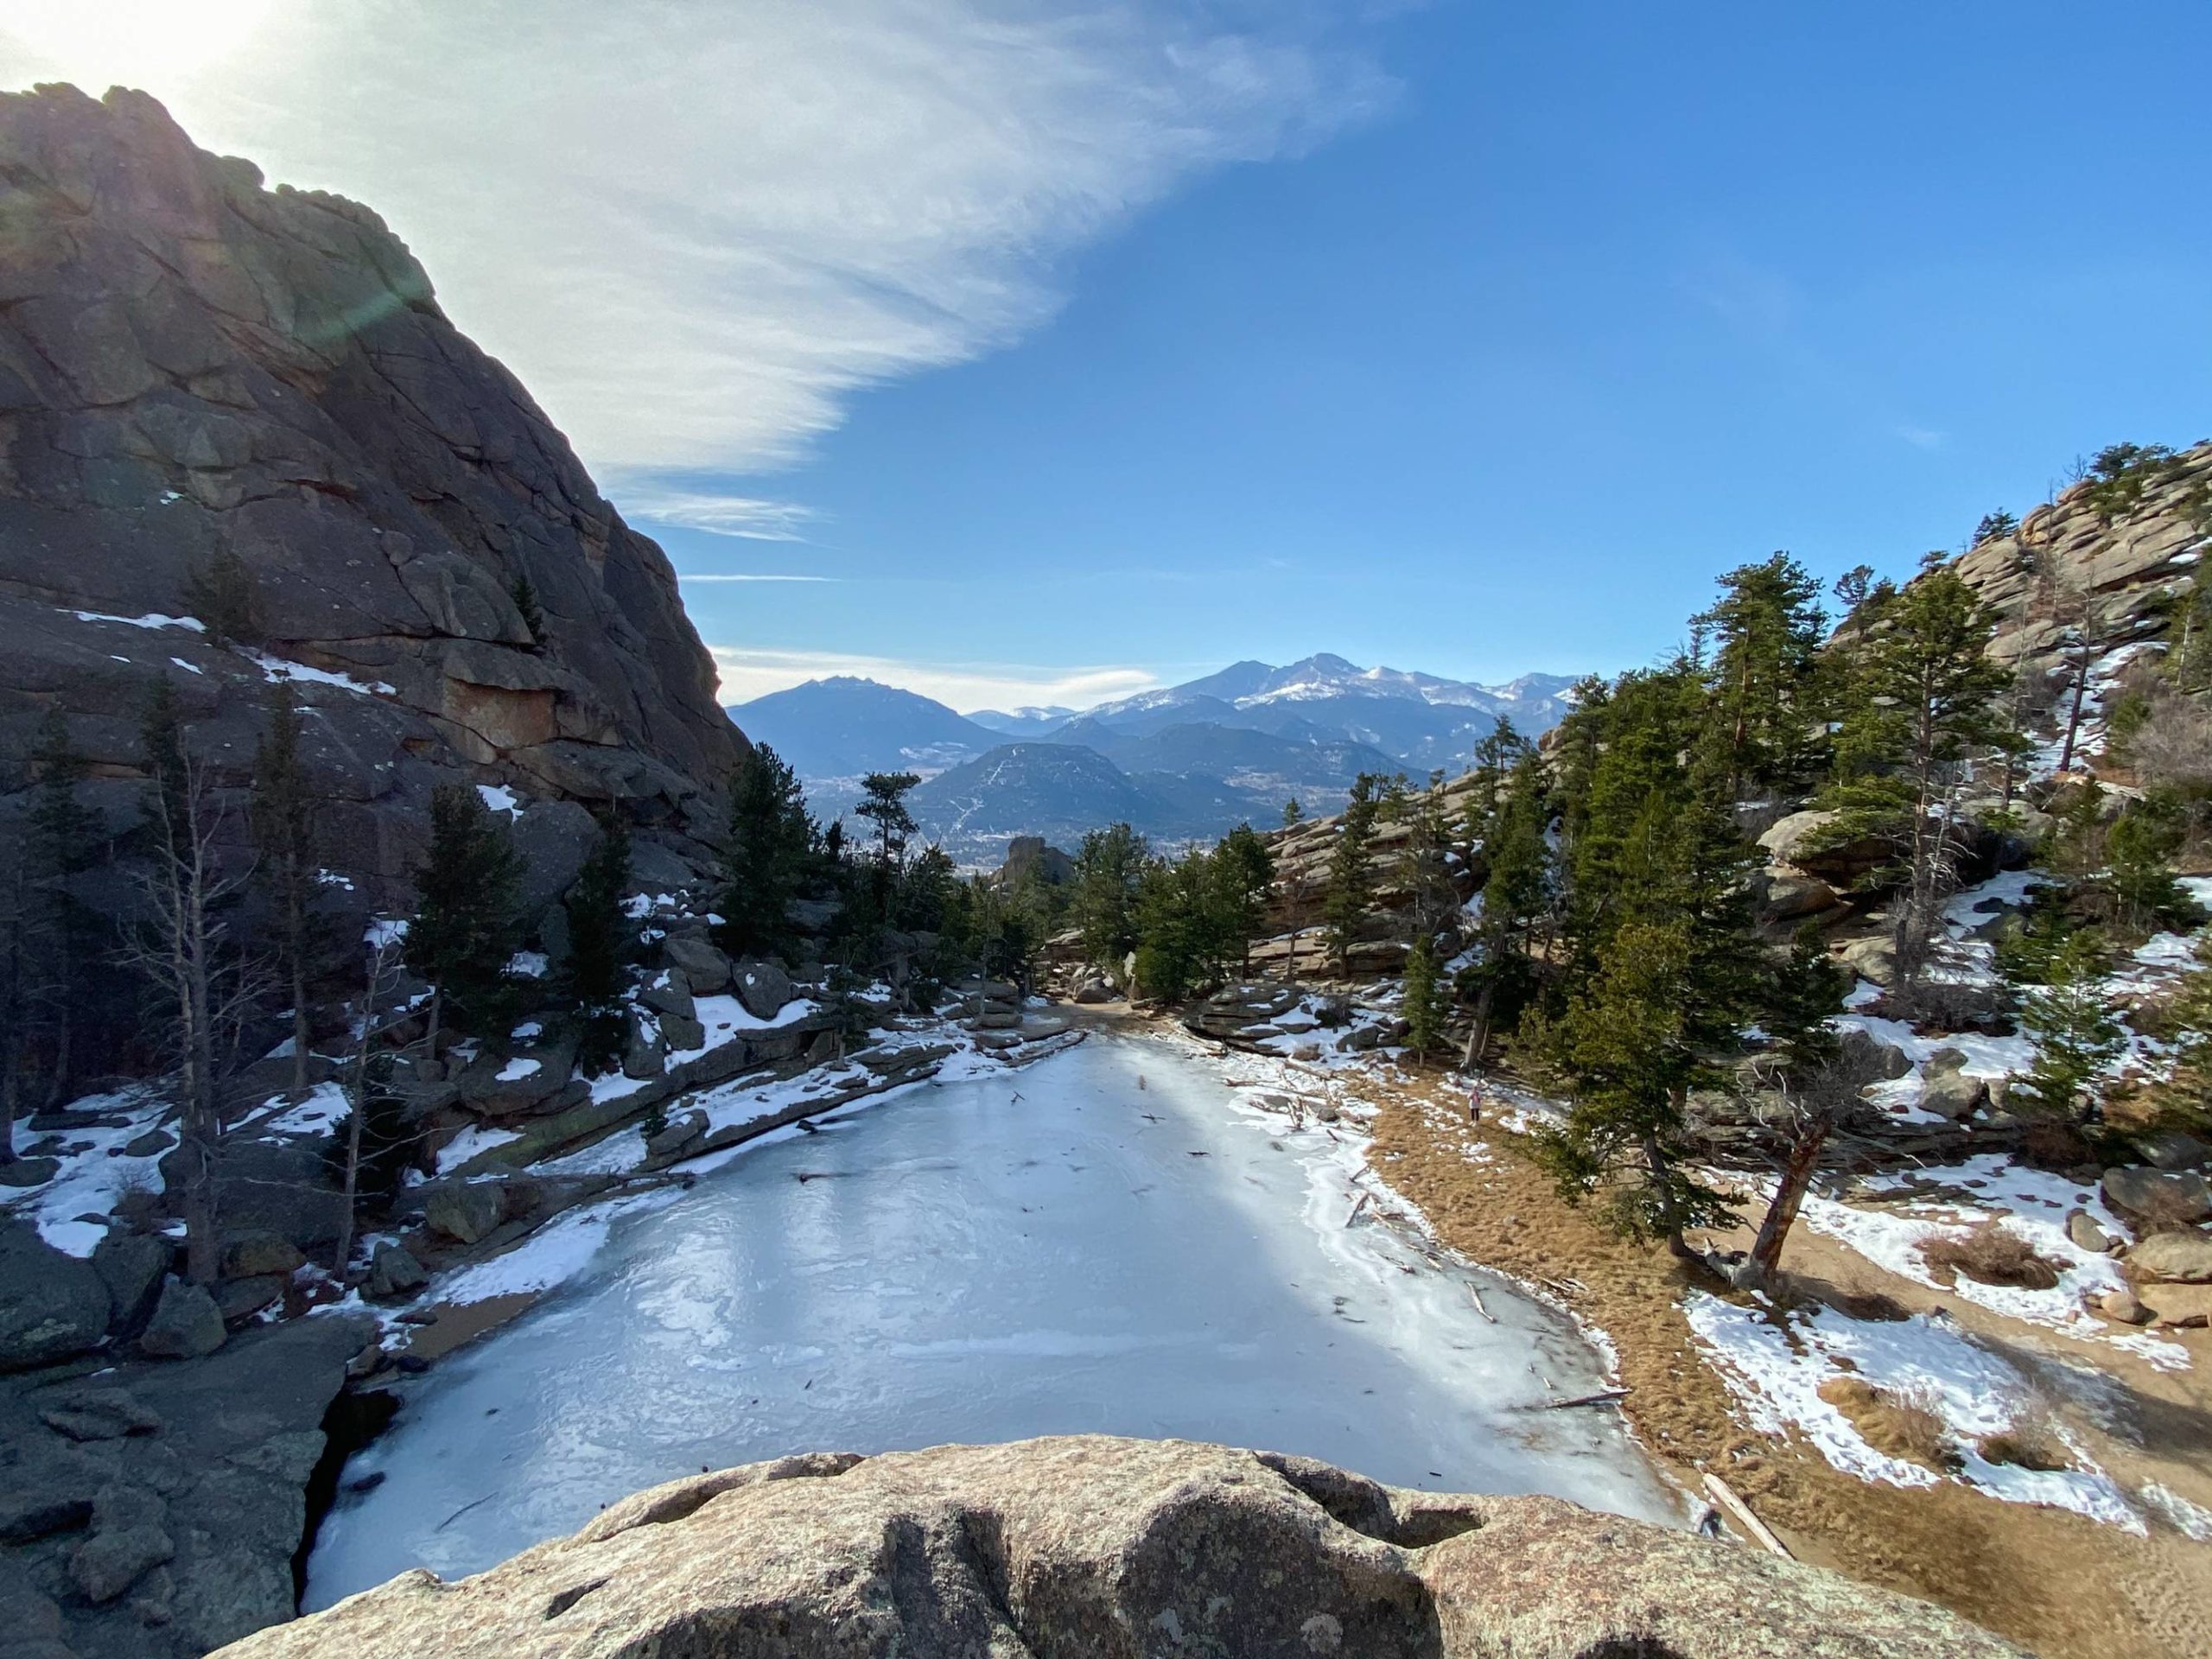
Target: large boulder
<point>1101,1547</point>
<point>393,1271</point>
<point>761,986</point>
<point>2175,1258</point>
<point>705,969</point>
<point>1874,959</point>
<point>668,992</point>
<point>2159,1195</point>
<point>1869,1056</point>
<point>252,1254</point>
<point>132,1265</point>
<point>464,1211</point>
<point>1809,842</point>
<point>274,1186</point>
<point>53,1307</point>
<point>1946,1090</point>
<point>187,1324</point>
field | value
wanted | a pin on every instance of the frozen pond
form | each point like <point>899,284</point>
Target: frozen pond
<point>1027,1252</point>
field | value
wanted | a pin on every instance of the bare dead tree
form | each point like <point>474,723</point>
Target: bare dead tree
<point>383,967</point>
<point>203,981</point>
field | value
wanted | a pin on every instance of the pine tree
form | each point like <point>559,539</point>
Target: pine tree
<point>1517,893</point>
<point>1292,813</point>
<point>56,929</point>
<point>1351,892</point>
<point>1109,868</point>
<point>465,931</point>
<point>1243,872</point>
<point>1177,941</point>
<point>1425,1008</point>
<point>767,845</point>
<point>601,939</point>
<point>1921,699</point>
<point>223,595</point>
<point>1764,718</point>
<point>1808,1069</point>
<point>526,605</point>
<point>2076,1035</point>
<point>283,834</point>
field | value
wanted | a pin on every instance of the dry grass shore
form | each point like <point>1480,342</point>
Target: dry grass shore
<point>2064,1585</point>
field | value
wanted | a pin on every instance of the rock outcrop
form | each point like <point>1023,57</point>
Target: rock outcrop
<point>153,1511</point>
<point>1093,1546</point>
<point>194,368</point>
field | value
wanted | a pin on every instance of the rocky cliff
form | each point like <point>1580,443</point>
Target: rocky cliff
<point>2086,568</point>
<point>1098,1547</point>
<point>194,366</point>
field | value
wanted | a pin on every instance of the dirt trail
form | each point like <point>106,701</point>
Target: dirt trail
<point>2055,1581</point>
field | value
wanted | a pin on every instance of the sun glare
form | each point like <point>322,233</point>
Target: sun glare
<point>149,43</point>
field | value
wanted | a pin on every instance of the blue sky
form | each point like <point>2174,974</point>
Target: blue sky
<point>1077,353</point>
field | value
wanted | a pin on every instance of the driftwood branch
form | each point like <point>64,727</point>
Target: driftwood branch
<point>1725,1496</point>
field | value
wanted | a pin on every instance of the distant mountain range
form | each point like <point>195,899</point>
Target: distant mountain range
<point>1184,762</point>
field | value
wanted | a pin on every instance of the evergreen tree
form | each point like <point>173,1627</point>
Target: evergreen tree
<point>1921,699</point>
<point>283,835</point>
<point>224,597</point>
<point>1993,524</point>
<point>883,804</point>
<point>767,841</point>
<point>464,932</point>
<point>1764,717</point>
<point>1109,868</point>
<point>2189,1090</point>
<point>1179,941</point>
<point>1351,892</point>
<point>1516,894</point>
<point>526,605</point>
<point>1808,1068</point>
<point>2077,1035</point>
<point>1243,871</point>
<point>1292,813</point>
<point>601,940</point>
<point>1426,1008</point>
<point>55,930</point>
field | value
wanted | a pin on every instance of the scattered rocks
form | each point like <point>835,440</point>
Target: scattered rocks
<point>2159,1195</point>
<point>679,1134</point>
<point>2175,1258</point>
<point>464,1211</point>
<point>667,993</point>
<point>248,1255</point>
<point>1090,1545</point>
<point>2082,1228</point>
<point>151,1144</point>
<point>238,1300</point>
<point>2177,1305</point>
<point>1874,959</point>
<point>393,1271</point>
<point>705,969</point>
<point>1947,1091</point>
<point>2124,1305</point>
<point>186,1324</point>
<point>1091,992</point>
<point>2172,1149</point>
<point>53,1307</point>
<point>28,1171</point>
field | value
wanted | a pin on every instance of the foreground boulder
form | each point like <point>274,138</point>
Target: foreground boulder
<point>1094,1545</point>
<point>52,1306</point>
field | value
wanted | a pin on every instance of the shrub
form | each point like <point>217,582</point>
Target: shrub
<point>1991,1254</point>
<point>1898,1423</point>
<point>2032,1442</point>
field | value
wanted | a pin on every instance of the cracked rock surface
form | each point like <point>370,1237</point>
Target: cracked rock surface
<point>1095,1546</point>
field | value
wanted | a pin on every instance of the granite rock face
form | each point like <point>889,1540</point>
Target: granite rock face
<point>194,366</point>
<point>1094,1545</point>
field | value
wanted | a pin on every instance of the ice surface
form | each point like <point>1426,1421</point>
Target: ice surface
<point>1008,1254</point>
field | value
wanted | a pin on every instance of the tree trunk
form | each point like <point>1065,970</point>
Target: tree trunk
<point>1788,1196</point>
<point>1670,1217</point>
<point>300,1031</point>
<point>1478,1033</point>
<point>2074,717</point>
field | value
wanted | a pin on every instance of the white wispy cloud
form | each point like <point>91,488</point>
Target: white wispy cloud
<point>695,228</point>
<point>749,672</point>
<point>719,512</point>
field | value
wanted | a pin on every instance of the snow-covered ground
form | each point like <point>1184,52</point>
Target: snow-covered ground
<point>1774,1366</point>
<point>95,1170</point>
